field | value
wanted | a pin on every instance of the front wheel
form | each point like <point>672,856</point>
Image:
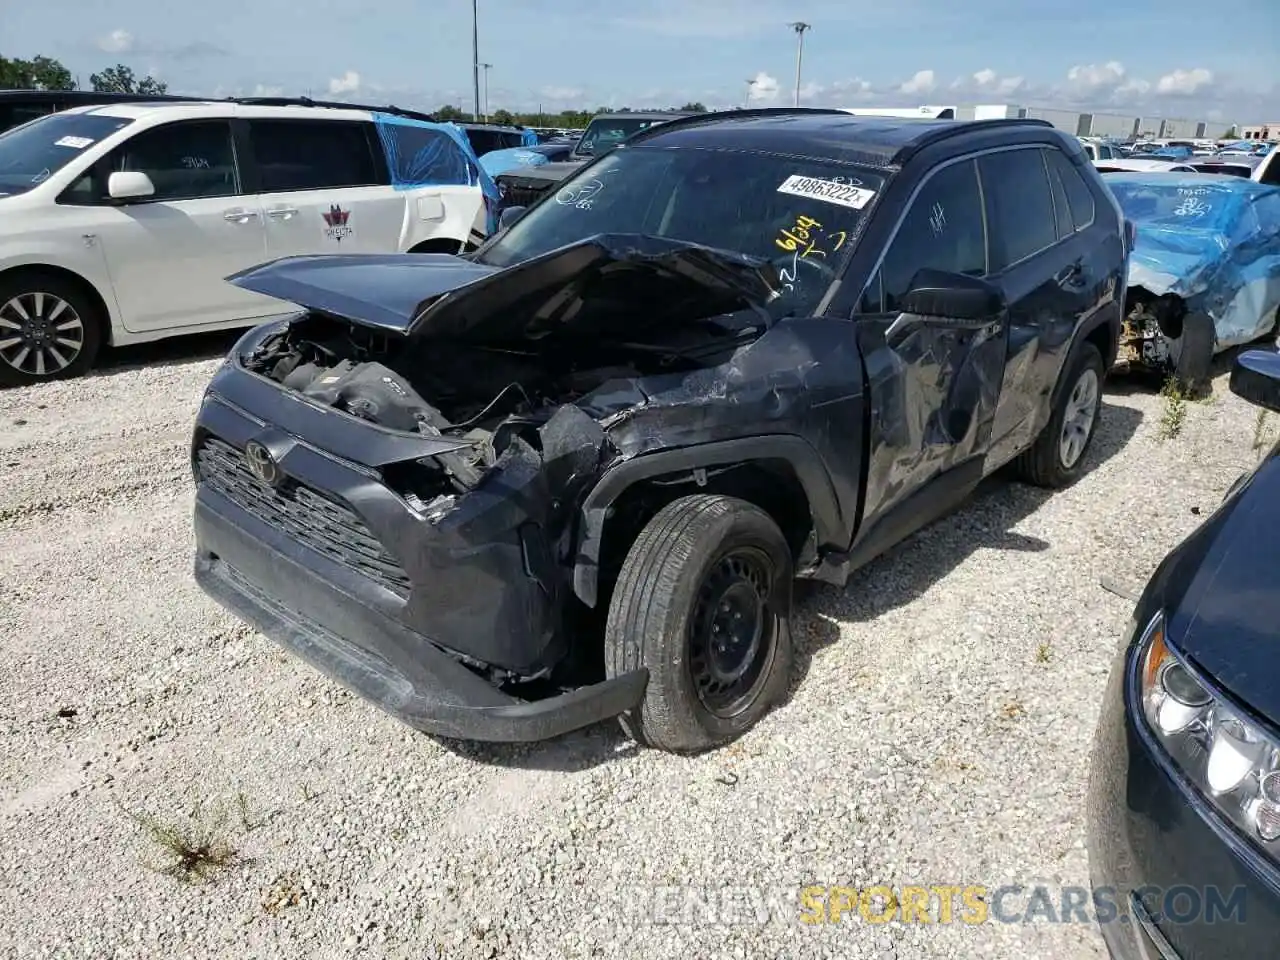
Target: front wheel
<point>703,601</point>
<point>1057,457</point>
<point>49,329</point>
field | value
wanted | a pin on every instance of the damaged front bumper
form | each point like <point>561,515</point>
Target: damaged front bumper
<point>421,618</point>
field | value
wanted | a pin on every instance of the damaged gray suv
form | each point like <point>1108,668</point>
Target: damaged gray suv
<point>573,475</point>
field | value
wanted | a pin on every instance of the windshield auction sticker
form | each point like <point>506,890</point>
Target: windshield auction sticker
<point>827,190</point>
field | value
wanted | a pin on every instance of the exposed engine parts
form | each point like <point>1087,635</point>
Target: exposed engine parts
<point>1150,323</point>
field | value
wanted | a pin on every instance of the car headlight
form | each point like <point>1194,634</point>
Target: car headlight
<point>1233,763</point>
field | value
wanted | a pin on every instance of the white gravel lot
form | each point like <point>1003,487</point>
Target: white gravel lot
<point>938,732</point>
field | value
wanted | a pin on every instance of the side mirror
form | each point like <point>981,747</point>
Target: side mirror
<point>1255,376</point>
<point>938,298</point>
<point>130,185</point>
<point>510,215</point>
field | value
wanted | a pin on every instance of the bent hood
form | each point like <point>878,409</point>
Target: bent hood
<point>1175,261</point>
<point>439,296</point>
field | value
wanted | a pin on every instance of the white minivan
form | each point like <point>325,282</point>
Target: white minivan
<point>119,223</point>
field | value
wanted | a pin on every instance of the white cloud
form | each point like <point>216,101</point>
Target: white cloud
<point>1094,78</point>
<point>349,82</point>
<point>267,90</point>
<point>562,94</point>
<point>764,88</point>
<point>117,41</point>
<point>923,82</point>
<point>1183,83</point>
<point>987,81</point>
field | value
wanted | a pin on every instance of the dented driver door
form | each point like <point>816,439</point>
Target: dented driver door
<point>933,393</point>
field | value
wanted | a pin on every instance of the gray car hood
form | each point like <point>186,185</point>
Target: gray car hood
<point>550,172</point>
<point>440,296</point>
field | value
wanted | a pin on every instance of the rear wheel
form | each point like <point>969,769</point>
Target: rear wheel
<point>49,329</point>
<point>1057,457</point>
<point>703,601</point>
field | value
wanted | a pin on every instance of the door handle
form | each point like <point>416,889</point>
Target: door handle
<point>282,213</point>
<point>239,215</point>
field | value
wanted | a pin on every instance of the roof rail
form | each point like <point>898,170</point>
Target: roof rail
<point>696,118</point>
<point>955,128</point>
<point>333,104</point>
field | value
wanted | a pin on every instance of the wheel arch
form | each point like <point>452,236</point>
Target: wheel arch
<point>780,473</point>
<point>83,284</point>
<point>441,245</point>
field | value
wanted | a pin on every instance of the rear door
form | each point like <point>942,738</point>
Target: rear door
<point>168,254</point>
<point>323,187</point>
<point>933,396</point>
<point>1038,208</point>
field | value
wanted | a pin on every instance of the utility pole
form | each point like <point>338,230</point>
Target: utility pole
<point>799,27</point>
<point>751,85</point>
<point>475,57</point>
<point>486,90</point>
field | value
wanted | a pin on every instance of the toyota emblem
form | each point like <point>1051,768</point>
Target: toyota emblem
<point>262,464</point>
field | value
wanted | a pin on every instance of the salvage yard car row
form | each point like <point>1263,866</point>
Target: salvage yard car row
<point>573,474</point>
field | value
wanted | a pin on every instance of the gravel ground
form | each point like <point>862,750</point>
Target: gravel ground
<point>938,732</point>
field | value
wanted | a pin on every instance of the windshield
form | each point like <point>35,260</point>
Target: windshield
<point>799,213</point>
<point>32,153</point>
<point>1185,206</point>
<point>603,135</point>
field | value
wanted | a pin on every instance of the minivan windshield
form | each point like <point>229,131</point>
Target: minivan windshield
<point>32,153</point>
<point>802,214</point>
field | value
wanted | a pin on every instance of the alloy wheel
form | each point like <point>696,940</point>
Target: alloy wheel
<point>1078,418</point>
<point>40,334</point>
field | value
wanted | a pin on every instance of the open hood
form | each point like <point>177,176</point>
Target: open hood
<point>438,296</point>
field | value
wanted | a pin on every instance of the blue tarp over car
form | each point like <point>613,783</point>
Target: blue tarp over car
<point>1213,241</point>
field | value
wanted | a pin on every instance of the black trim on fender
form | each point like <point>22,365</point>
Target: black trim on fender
<point>824,505</point>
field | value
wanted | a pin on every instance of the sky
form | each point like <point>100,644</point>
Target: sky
<point>1167,58</point>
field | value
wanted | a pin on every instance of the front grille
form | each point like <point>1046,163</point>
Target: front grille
<point>313,519</point>
<point>521,191</point>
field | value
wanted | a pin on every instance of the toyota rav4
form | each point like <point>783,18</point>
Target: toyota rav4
<point>573,475</point>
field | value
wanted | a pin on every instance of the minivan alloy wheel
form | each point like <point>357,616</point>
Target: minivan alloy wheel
<point>1078,418</point>
<point>40,333</point>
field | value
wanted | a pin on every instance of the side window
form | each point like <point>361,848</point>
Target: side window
<point>944,229</point>
<point>313,155</point>
<point>1271,174</point>
<point>1061,206</point>
<point>1019,205</point>
<point>185,160</point>
<point>1068,181</point>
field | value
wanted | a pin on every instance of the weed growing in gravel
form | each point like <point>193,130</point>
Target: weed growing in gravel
<point>1043,653</point>
<point>1175,409</point>
<point>195,849</point>
<point>1013,710</point>
<point>1260,431</point>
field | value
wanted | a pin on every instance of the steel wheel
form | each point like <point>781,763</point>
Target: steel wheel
<point>40,334</point>
<point>732,632</point>
<point>1078,418</point>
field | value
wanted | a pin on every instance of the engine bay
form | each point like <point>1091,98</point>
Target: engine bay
<point>483,393</point>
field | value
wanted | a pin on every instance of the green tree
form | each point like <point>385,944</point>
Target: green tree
<point>120,79</point>
<point>695,107</point>
<point>503,118</point>
<point>38,73</point>
<point>450,112</point>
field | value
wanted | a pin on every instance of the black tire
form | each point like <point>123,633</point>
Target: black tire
<point>660,618</point>
<point>1045,464</point>
<point>1195,354</point>
<point>29,289</point>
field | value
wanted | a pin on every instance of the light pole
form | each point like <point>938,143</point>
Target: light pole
<point>475,57</point>
<point>799,27</point>
<point>751,85</point>
<point>486,90</point>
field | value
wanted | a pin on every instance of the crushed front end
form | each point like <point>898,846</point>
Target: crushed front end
<point>398,505</point>
<point>366,558</point>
